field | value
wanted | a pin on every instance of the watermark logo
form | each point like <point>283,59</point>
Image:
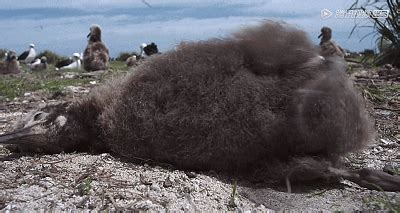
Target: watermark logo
<point>325,13</point>
<point>341,14</point>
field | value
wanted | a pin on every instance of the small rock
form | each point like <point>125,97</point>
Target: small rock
<point>69,75</point>
<point>142,188</point>
<point>76,89</point>
<point>196,187</point>
<point>144,205</point>
<point>385,141</point>
<point>145,180</point>
<point>155,187</point>
<point>384,112</point>
<point>187,189</point>
<point>46,182</point>
<point>83,203</point>
<point>91,206</point>
<point>388,66</point>
<point>388,143</point>
<point>191,174</point>
<point>167,182</point>
<point>60,206</point>
<point>49,199</point>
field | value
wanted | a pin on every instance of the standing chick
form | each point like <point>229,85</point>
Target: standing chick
<point>131,61</point>
<point>10,65</point>
<point>96,54</point>
<point>328,47</point>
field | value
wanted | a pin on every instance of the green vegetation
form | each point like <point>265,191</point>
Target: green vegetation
<point>50,81</point>
<point>2,53</point>
<point>124,55</point>
<point>118,65</point>
<point>382,203</point>
<point>52,57</point>
<point>85,187</point>
<point>15,86</point>
<point>232,203</point>
<point>373,94</point>
<point>381,94</point>
<point>385,30</point>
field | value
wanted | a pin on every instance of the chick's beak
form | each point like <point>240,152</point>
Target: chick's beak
<point>20,136</point>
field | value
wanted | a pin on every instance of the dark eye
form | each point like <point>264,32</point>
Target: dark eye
<point>38,116</point>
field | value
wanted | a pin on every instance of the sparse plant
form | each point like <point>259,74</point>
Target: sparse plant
<point>2,53</point>
<point>124,55</point>
<point>118,66</point>
<point>383,203</point>
<point>385,30</point>
<point>232,203</point>
<point>85,187</point>
<point>381,94</point>
<point>368,52</point>
<point>52,57</point>
<point>373,94</point>
<point>47,81</point>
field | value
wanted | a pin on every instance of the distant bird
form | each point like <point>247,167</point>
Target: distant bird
<point>10,65</point>
<point>75,62</point>
<point>29,55</point>
<point>328,47</point>
<point>34,62</point>
<point>142,53</point>
<point>151,49</point>
<point>131,61</point>
<point>39,64</point>
<point>64,62</point>
<point>147,50</point>
<point>238,105</point>
<point>96,54</point>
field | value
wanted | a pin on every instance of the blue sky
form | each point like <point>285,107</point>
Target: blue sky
<point>62,25</point>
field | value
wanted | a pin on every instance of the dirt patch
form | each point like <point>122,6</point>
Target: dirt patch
<point>99,182</point>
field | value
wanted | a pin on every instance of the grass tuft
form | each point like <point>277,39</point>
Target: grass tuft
<point>49,81</point>
<point>232,203</point>
<point>85,187</point>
